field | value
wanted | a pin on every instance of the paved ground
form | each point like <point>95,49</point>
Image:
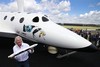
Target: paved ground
<point>42,58</point>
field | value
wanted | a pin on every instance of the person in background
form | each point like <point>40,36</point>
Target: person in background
<point>22,59</point>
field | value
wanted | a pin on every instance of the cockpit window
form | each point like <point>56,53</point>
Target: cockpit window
<point>36,19</point>
<point>44,19</point>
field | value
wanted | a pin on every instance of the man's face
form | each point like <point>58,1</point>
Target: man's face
<point>19,42</point>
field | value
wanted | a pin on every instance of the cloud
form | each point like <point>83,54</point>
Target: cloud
<point>98,4</point>
<point>88,18</point>
<point>49,7</point>
<point>33,6</point>
<point>12,6</point>
<point>57,11</point>
<point>64,6</point>
<point>95,5</point>
<point>29,6</point>
<point>0,8</point>
<point>91,17</point>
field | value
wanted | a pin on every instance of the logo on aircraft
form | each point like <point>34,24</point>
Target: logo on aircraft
<point>29,28</point>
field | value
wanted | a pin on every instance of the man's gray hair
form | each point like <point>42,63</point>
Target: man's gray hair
<point>17,37</point>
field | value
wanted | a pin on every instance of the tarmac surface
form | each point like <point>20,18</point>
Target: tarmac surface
<point>41,58</point>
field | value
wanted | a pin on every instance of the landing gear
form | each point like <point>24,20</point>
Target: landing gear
<point>60,53</point>
<point>66,54</point>
<point>52,50</point>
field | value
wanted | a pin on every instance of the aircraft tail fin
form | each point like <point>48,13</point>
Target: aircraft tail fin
<point>20,4</point>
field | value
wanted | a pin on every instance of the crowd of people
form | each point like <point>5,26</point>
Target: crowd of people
<point>91,35</point>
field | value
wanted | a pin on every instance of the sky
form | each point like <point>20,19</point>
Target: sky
<point>59,11</point>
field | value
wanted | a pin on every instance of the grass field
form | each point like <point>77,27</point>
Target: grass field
<point>83,27</point>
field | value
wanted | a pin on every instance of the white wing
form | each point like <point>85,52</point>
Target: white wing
<point>6,30</point>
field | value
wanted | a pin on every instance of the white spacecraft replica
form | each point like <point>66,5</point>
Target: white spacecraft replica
<point>39,28</point>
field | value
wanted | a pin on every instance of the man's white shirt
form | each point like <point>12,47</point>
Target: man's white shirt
<point>23,56</point>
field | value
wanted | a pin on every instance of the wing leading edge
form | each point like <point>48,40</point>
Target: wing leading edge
<point>7,31</point>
